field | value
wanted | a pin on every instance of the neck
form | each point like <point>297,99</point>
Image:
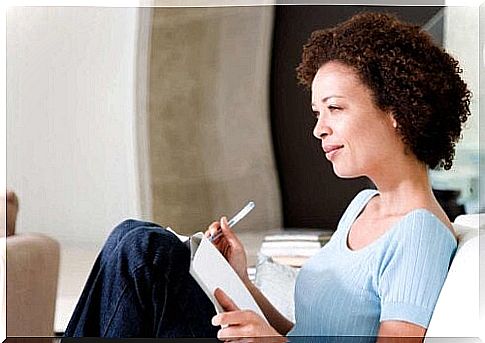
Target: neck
<point>403,186</point>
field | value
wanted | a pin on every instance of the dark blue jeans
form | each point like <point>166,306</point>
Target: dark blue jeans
<point>140,286</point>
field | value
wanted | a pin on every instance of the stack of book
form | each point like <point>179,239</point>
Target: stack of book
<point>294,247</point>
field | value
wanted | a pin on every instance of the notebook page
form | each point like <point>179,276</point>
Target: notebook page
<point>211,270</point>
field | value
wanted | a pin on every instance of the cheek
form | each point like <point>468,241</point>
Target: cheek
<point>369,143</point>
<point>376,131</point>
<point>383,145</point>
<point>358,137</point>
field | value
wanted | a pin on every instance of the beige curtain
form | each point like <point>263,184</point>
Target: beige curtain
<point>208,126</point>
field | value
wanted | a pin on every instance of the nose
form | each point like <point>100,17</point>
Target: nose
<point>321,129</point>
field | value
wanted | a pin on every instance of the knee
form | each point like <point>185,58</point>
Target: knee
<point>152,246</point>
<point>122,230</point>
<point>125,227</point>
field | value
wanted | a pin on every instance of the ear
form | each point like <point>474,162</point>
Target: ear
<point>392,120</point>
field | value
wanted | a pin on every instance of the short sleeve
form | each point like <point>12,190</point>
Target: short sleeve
<point>414,269</point>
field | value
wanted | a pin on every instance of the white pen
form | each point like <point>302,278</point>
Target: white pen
<point>234,220</point>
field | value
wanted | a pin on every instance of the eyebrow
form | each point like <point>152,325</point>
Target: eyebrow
<point>329,97</point>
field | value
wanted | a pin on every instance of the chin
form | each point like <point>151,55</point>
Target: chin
<point>346,173</point>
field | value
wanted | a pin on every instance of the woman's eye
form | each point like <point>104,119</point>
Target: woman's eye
<point>333,108</point>
<point>316,114</point>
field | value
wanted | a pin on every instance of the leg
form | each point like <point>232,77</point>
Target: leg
<point>140,287</point>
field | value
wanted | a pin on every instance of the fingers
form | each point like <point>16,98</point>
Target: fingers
<point>228,318</point>
<point>230,236</point>
<point>222,230</point>
<point>225,301</point>
<point>231,333</point>
<point>238,324</point>
<point>224,223</point>
<point>219,228</point>
<point>212,229</point>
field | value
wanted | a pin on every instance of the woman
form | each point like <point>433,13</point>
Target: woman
<point>389,104</point>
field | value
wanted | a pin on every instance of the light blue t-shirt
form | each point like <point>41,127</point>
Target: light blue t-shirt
<point>343,292</point>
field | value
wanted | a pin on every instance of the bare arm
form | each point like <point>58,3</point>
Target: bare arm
<point>274,317</point>
<point>394,331</point>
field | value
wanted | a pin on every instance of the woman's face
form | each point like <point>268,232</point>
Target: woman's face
<point>356,136</point>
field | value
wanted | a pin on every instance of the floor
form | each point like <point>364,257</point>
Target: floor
<point>76,262</point>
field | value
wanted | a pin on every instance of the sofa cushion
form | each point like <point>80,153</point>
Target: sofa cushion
<point>277,282</point>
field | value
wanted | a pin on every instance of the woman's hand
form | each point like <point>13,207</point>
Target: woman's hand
<point>237,324</point>
<point>230,247</point>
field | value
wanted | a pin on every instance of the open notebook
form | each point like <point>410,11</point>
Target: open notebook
<point>211,270</point>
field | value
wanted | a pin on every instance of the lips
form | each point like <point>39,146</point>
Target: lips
<point>329,148</point>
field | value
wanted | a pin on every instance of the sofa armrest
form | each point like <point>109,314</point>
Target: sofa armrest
<point>32,262</point>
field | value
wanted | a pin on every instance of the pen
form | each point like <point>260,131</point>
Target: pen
<point>234,220</point>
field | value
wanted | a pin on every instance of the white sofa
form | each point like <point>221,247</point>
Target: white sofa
<point>456,315</point>
<point>457,311</point>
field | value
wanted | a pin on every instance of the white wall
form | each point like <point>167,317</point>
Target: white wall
<point>461,40</point>
<point>70,119</point>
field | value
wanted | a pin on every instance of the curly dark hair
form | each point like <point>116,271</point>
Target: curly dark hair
<point>407,73</point>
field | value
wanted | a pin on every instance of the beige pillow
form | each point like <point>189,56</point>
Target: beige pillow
<point>277,282</point>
